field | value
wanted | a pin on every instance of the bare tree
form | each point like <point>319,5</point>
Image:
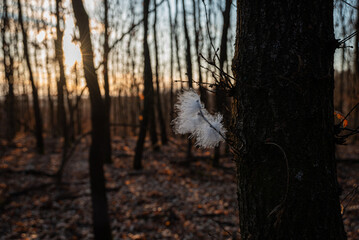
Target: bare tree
<point>188,65</point>
<point>106,51</point>
<point>188,47</point>
<point>147,92</point>
<point>35,97</point>
<point>8,61</point>
<point>158,90</point>
<point>221,100</point>
<point>171,58</point>
<point>98,149</point>
<point>51,120</point>
<point>61,85</point>
<point>78,101</point>
<point>197,29</point>
<point>175,35</point>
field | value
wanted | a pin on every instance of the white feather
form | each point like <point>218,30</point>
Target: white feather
<point>193,118</point>
<point>208,135</point>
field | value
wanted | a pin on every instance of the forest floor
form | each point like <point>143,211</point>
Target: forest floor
<point>169,199</point>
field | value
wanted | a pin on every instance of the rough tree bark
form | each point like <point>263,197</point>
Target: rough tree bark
<point>98,149</point>
<point>147,92</point>
<point>35,97</point>
<point>283,119</point>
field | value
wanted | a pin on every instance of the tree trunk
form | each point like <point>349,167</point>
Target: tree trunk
<point>283,119</point>
<point>171,60</point>
<point>98,149</point>
<point>209,47</point>
<point>221,98</point>
<point>197,29</point>
<point>8,61</point>
<point>78,103</point>
<point>164,139</point>
<point>356,75</point>
<point>152,113</point>
<point>51,118</point>
<point>61,85</point>
<point>106,51</point>
<point>35,97</point>
<point>188,47</point>
<point>153,124</point>
<point>189,67</point>
<point>177,44</point>
<point>147,92</point>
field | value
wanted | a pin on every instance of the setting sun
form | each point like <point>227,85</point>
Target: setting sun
<point>72,53</point>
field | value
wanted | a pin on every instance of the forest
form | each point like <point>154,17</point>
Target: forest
<point>179,119</point>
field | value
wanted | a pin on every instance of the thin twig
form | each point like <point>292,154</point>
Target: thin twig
<point>133,27</point>
<point>349,4</point>
<point>208,31</point>
<point>199,84</point>
<point>213,64</point>
<point>215,129</point>
<point>237,151</point>
<point>350,36</point>
<point>351,110</point>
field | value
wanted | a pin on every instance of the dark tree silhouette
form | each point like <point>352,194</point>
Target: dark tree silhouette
<point>197,29</point>
<point>161,118</point>
<point>171,59</point>
<point>35,96</point>
<point>106,51</point>
<point>147,92</point>
<point>188,46</point>
<point>175,35</point>
<point>61,85</point>
<point>99,121</point>
<point>283,120</point>
<point>8,61</point>
<point>189,66</point>
<point>78,102</point>
<point>51,119</point>
<point>221,101</point>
